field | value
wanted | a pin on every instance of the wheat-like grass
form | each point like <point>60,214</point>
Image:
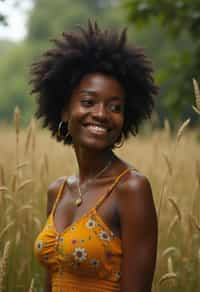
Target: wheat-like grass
<point>3,189</point>
<point>3,264</point>
<point>181,130</point>
<point>176,207</point>
<point>198,171</point>
<point>2,176</point>
<point>31,289</point>
<point>6,228</point>
<point>17,118</point>
<point>14,183</point>
<point>168,163</point>
<point>28,138</point>
<point>172,224</point>
<point>194,222</point>
<point>170,265</point>
<point>167,128</point>
<point>197,96</point>
<point>24,184</point>
<point>23,164</point>
<point>170,250</point>
<point>167,277</point>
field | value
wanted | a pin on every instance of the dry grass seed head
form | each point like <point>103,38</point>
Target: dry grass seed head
<point>197,94</point>
<point>168,163</point>
<point>6,228</point>
<point>17,116</point>
<point>170,250</point>
<point>176,207</point>
<point>198,171</point>
<point>170,265</point>
<point>194,222</point>
<point>2,176</point>
<point>28,139</point>
<point>22,164</point>
<point>181,130</point>
<point>24,184</point>
<point>167,277</point>
<point>3,264</point>
<point>31,289</point>
<point>172,225</point>
<point>167,128</point>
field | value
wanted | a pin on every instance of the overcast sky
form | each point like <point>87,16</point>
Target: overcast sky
<point>16,17</point>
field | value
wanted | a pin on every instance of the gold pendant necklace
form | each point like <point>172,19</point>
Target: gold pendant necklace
<point>79,200</point>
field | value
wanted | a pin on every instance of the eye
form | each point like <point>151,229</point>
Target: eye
<point>87,102</point>
<point>117,108</point>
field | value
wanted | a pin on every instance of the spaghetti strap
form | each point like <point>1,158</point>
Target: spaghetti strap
<point>58,195</point>
<point>102,198</point>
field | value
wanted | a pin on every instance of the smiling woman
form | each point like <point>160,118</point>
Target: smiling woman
<point>95,111</point>
<point>93,91</point>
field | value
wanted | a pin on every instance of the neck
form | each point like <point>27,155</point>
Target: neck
<point>90,163</point>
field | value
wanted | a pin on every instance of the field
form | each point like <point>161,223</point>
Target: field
<point>30,160</point>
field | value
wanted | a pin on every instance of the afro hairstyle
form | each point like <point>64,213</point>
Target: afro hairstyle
<point>92,50</point>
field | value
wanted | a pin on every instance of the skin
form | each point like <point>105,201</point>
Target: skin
<point>129,211</point>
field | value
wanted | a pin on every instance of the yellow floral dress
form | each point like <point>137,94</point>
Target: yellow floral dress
<point>86,256</point>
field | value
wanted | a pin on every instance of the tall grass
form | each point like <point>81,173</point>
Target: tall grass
<point>30,160</point>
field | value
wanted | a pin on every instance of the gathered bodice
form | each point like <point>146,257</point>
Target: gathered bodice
<point>87,251</point>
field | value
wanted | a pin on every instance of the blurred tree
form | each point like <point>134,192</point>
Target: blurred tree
<point>179,20</point>
<point>2,16</point>
<point>47,20</point>
<point>44,23</point>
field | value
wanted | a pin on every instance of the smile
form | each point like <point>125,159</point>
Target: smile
<point>99,130</point>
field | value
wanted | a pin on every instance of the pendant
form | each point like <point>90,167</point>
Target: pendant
<point>78,202</point>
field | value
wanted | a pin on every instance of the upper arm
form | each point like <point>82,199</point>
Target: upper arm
<point>139,234</point>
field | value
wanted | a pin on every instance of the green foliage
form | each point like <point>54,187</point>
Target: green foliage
<point>48,19</point>
<point>172,45</point>
<point>45,23</point>
<point>177,15</point>
<point>179,21</point>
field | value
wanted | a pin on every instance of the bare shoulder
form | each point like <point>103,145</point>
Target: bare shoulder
<point>135,195</point>
<point>53,191</point>
<point>134,183</point>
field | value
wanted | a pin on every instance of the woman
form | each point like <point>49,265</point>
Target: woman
<point>93,91</point>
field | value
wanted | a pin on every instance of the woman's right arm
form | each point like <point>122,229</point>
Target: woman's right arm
<point>51,197</point>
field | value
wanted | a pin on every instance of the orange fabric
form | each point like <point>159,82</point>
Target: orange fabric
<point>86,256</point>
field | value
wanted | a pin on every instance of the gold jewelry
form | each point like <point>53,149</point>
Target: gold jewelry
<point>120,143</point>
<point>79,200</point>
<point>61,128</point>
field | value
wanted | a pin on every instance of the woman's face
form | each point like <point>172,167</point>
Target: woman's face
<point>95,113</point>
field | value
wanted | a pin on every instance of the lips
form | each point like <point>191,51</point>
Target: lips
<point>97,129</point>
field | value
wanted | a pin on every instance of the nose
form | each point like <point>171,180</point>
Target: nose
<point>100,112</point>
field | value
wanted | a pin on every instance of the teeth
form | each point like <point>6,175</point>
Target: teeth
<point>97,129</point>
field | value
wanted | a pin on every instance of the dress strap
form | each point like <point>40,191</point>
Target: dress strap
<point>60,191</point>
<point>102,198</point>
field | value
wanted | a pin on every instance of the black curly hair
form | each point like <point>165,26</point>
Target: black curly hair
<point>91,50</point>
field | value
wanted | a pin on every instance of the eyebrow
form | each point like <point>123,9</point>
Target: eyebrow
<point>93,93</point>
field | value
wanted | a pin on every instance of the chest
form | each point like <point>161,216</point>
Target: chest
<point>66,212</point>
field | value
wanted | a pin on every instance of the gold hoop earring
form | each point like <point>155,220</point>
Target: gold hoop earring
<point>62,127</point>
<point>121,141</point>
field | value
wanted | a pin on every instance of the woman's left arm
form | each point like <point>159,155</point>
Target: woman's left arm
<point>139,234</point>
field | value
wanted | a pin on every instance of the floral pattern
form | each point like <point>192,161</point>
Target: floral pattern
<point>39,245</point>
<point>103,235</point>
<point>85,246</point>
<point>95,263</point>
<point>80,254</point>
<point>90,224</point>
<point>72,228</point>
<point>117,275</point>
